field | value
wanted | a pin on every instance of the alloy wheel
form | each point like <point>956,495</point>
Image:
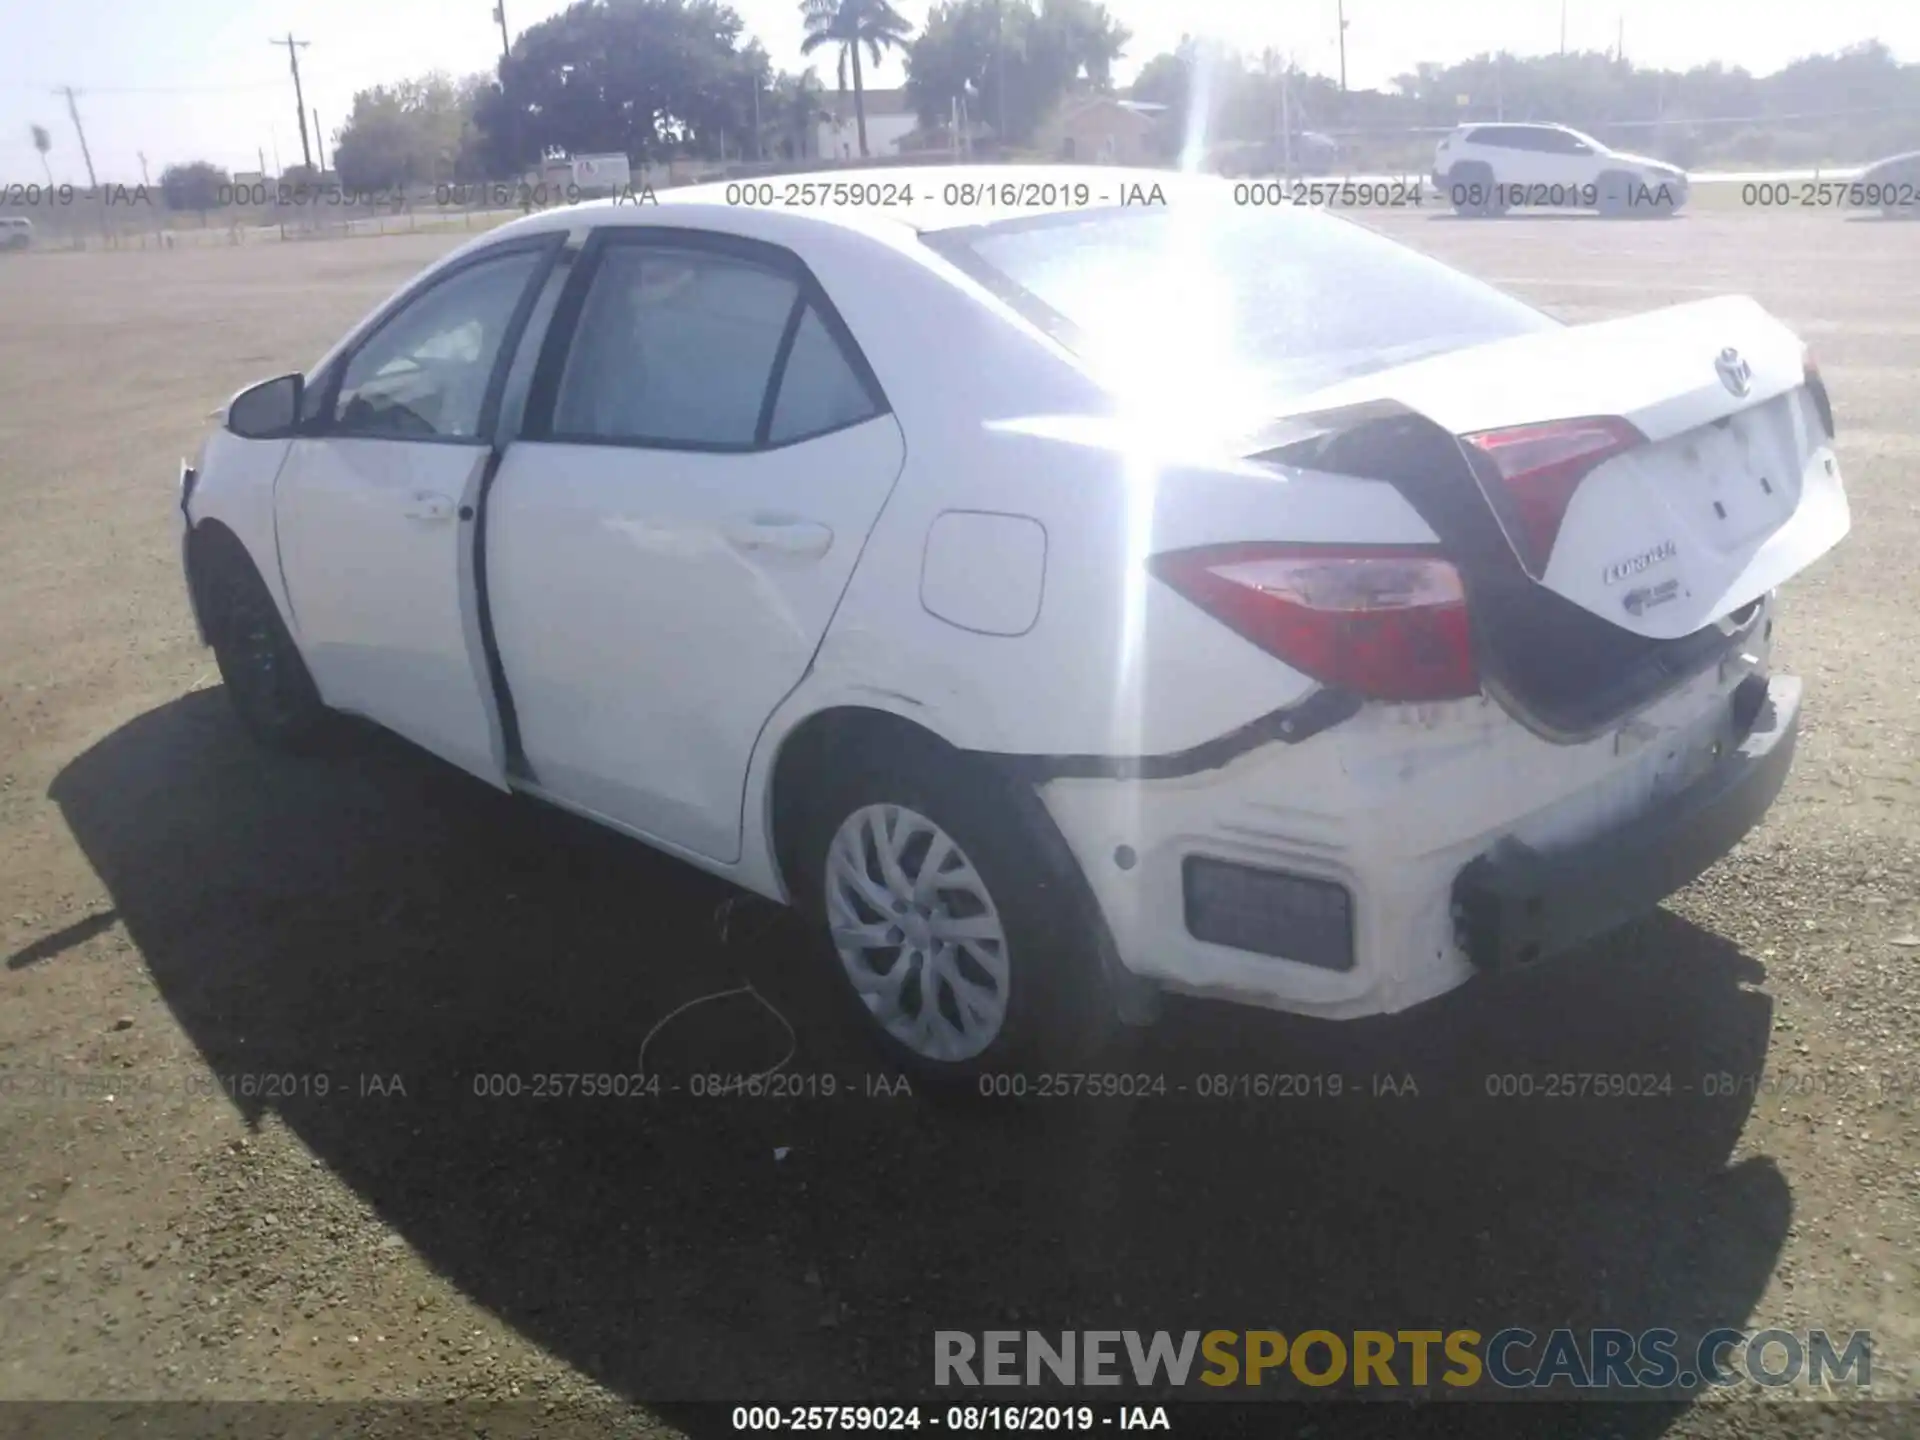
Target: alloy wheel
<point>917,933</point>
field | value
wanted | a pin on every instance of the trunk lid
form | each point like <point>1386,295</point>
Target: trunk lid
<point>1734,490</point>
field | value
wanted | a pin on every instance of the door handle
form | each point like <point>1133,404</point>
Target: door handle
<point>425,505</point>
<point>780,537</point>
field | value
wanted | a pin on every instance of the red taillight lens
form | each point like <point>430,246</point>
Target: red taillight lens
<point>1386,622</point>
<point>1530,473</point>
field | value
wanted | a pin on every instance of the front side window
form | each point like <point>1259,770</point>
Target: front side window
<point>423,375</point>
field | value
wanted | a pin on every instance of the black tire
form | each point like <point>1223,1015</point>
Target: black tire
<point>1061,1006</point>
<point>1461,182</point>
<point>268,684</point>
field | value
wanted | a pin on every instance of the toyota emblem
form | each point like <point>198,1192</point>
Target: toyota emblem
<point>1735,373</point>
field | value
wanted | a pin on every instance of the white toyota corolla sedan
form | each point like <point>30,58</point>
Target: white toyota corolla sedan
<point>1063,585</point>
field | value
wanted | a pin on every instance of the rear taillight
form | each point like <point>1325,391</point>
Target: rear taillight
<point>1385,622</point>
<point>1817,387</point>
<point>1529,475</point>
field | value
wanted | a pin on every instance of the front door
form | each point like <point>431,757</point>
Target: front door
<point>375,507</point>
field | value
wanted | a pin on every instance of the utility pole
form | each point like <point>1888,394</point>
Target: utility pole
<point>1340,10</point>
<point>1286,117</point>
<point>300,101</point>
<point>1620,46</point>
<point>144,182</point>
<point>1563,27</point>
<point>513,120</point>
<point>78,129</point>
<point>317,145</point>
<point>1000,52</point>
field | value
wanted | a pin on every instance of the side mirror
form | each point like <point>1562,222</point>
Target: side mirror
<point>267,411</point>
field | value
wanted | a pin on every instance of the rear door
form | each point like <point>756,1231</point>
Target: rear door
<point>704,454</point>
<point>375,503</point>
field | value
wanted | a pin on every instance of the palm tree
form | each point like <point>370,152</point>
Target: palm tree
<point>851,24</point>
<point>43,142</point>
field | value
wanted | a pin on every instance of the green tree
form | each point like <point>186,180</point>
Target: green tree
<point>799,107</point>
<point>646,78</point>
<point>192,186</point>
<point>850,25</point>
<point>418,131</point>
<point>756,81</point>
<point>1018,57</point>
<point>43,142</point>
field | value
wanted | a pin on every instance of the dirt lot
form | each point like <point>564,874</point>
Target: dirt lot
<point>174,907</point>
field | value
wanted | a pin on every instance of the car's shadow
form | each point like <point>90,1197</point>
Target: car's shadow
<point>377,914</point>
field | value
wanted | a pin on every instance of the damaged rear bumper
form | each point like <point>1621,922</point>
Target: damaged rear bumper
<point>1514,905</point>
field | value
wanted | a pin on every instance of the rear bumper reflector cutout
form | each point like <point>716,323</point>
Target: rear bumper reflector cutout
<point>1268,912</point>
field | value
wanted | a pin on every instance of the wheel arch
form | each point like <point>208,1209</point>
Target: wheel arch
<point>822,740</point>
<point>813,748</point>
<point>210,543</point>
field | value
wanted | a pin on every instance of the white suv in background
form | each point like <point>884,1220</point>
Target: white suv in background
<point>1490,169</point>
<point>15,233</point>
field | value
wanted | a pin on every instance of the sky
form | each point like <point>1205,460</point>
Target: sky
<point>199,79</point>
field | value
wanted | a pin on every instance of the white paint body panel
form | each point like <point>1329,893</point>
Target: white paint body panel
<point>1514,167</point>
<point>984,573</point>
<point>1392,804</point>
<point>372,546</point>
<point>649,621</point>
<point>235,487</point>
<point>1709,447</point>
<point>658,667</point>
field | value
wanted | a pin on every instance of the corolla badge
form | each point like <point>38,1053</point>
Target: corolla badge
<point>1639,564</point>
<point>1735,373</point>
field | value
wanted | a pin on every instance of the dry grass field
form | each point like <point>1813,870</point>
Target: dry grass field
<point>176,907</point>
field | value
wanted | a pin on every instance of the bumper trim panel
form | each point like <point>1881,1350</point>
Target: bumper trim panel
<point>1514,905</point>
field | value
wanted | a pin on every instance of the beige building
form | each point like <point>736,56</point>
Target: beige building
<point>890,119</point>
<point>1102,129</point>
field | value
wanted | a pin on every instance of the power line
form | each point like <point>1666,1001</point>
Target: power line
<point>98,90</point>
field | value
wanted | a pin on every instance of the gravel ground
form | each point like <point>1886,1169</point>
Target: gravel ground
<point>263,992</point>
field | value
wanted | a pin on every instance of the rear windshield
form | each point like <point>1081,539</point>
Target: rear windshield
<point>1208,303</point>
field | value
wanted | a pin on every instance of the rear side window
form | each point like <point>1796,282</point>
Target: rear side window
<point>1226,309</point>
<point>693,348</point>
<point>674,347</point>
<point>819,391</point>
<point>1557,142</point>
